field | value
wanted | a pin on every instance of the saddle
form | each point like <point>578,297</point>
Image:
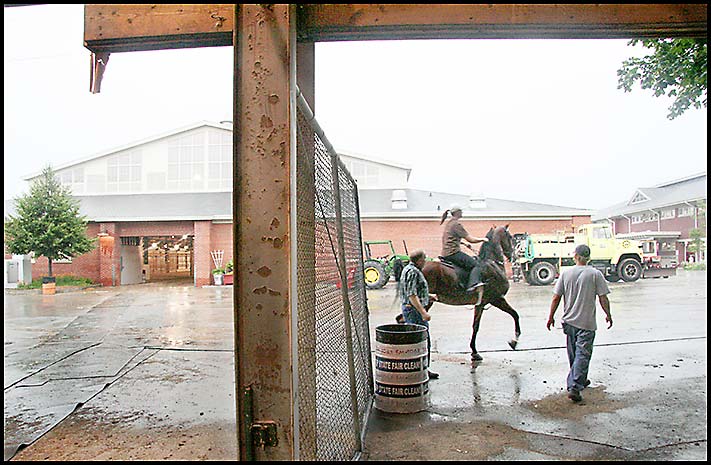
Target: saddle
<point>462,274</point>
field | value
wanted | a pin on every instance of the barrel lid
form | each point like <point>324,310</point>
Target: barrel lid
<point>401,334</point>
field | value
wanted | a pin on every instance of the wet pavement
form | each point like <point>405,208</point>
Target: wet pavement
<point>145,372</point>
<point>139,372</point>
<point>647,400</point>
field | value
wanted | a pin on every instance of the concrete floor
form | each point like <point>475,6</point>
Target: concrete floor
<point>647,399</point>
<point>140,372</point>
<point>145,372</point>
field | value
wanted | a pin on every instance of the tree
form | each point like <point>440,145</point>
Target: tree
<point>677,66</point>
<point>48,222</point>
<point>696,246</point>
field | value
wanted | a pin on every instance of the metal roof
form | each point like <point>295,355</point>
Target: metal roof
<point>664,195</point>
<point>377,203</point>
<point>374,203</point>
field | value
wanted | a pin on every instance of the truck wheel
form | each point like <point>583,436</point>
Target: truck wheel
<point>542,274</point>
<point>375,274</point>
<point>629,270</point>
<point>613,277</point>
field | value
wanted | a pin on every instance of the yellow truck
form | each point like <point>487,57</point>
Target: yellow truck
<point>541,257</point>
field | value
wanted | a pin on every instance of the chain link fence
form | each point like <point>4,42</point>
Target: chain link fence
<point>335,388</point>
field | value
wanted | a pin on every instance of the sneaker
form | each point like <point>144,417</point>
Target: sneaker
<point>574,395</point>
<point>432,374</point>
<point>586,383</point>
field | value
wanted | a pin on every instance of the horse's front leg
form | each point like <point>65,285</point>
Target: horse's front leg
<point>501,304</point>
<point>478,312</point>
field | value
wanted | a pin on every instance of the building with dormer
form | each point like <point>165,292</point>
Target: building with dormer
<point>676,206</point>
<point>161,208</point>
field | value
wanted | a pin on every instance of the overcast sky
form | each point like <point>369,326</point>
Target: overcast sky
<point>530,120</point>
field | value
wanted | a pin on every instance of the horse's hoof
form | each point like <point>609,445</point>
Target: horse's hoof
<point>477,358</point>
<point>513,343</point>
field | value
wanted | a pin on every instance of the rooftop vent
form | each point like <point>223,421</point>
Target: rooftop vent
<point>399,200</point>
<point>477,202</point>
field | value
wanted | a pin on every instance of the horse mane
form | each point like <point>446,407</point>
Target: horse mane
<point>492,250</point>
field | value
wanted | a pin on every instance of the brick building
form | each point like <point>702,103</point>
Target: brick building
<point>671,207</point>
<point>160,207</point>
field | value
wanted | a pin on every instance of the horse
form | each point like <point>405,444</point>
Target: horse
<point>443,281</point>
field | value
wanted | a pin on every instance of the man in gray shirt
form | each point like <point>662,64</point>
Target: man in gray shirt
<point>579,286</point>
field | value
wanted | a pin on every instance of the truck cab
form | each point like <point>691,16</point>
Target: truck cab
<point>543,256</point>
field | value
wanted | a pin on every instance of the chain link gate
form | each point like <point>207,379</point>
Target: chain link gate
<point>334,373</point>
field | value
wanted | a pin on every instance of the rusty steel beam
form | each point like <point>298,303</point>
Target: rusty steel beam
<point>264,163</point>
<point>128,28</point>
<point>332,22</point>
<point>122,28</point>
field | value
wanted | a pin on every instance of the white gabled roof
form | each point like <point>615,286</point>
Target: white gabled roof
<point>688,189</point>
<point>382,161</point>
<point>133,144</point>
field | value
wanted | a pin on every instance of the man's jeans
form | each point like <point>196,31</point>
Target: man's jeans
<point>580,347</point>
<point>413,317</point>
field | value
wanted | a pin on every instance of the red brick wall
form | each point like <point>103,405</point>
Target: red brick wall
<point>427,234</point>
<point>86,265</point>
<point>158,228</point>
<point>222,240</point>
<point>682,224</point>
<point>202,262</point>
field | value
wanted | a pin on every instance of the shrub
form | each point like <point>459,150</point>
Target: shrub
<point>695,267</point>
<point>64,280</point>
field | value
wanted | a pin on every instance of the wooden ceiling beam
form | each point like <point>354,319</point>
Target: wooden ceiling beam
<point>122,28</point>
<point>329,22</point>
<point>128,28</point>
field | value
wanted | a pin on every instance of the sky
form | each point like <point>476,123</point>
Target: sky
<point>529,120</point>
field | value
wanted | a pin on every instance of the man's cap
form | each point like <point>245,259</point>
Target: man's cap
<point>583,251</point>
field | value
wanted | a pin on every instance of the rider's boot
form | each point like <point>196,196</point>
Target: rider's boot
<point>474,280</point>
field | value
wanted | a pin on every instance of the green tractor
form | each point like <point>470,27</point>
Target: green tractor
<point>377,270</point>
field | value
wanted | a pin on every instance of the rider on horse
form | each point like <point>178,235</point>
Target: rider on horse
<point>454,232</point>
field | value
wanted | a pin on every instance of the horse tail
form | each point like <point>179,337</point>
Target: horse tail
<point>444,216</point>
<point>398,292</point>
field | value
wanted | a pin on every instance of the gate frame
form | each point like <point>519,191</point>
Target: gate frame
<point>153,27</point>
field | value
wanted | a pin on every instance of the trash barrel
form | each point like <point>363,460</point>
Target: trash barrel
<point>401,380</point>
<point>49,285</point>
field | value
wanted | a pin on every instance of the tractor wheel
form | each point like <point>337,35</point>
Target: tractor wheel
<point>542,274</point>
<point>375,274</point>
<point>629,270</point>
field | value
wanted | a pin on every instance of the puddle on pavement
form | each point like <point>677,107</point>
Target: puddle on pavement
<point>595,400</point>
<point>444,441</point>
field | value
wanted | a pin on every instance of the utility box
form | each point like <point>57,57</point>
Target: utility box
<point>18,270</point>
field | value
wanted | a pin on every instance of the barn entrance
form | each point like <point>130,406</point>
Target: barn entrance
<point>167,258</point>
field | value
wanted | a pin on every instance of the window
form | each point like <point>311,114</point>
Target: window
<point>72,178</point>
<point>186,162</point>
<point>686,211</point>
<point>602,233</point>
<point>668,213</point>
<point>123,172</point>
<point>372,175</point>
<point>639,198</point>
<point>644,217</point>
<point>219,160</point>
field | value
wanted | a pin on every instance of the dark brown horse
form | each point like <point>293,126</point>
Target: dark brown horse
<point>443,281</point>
